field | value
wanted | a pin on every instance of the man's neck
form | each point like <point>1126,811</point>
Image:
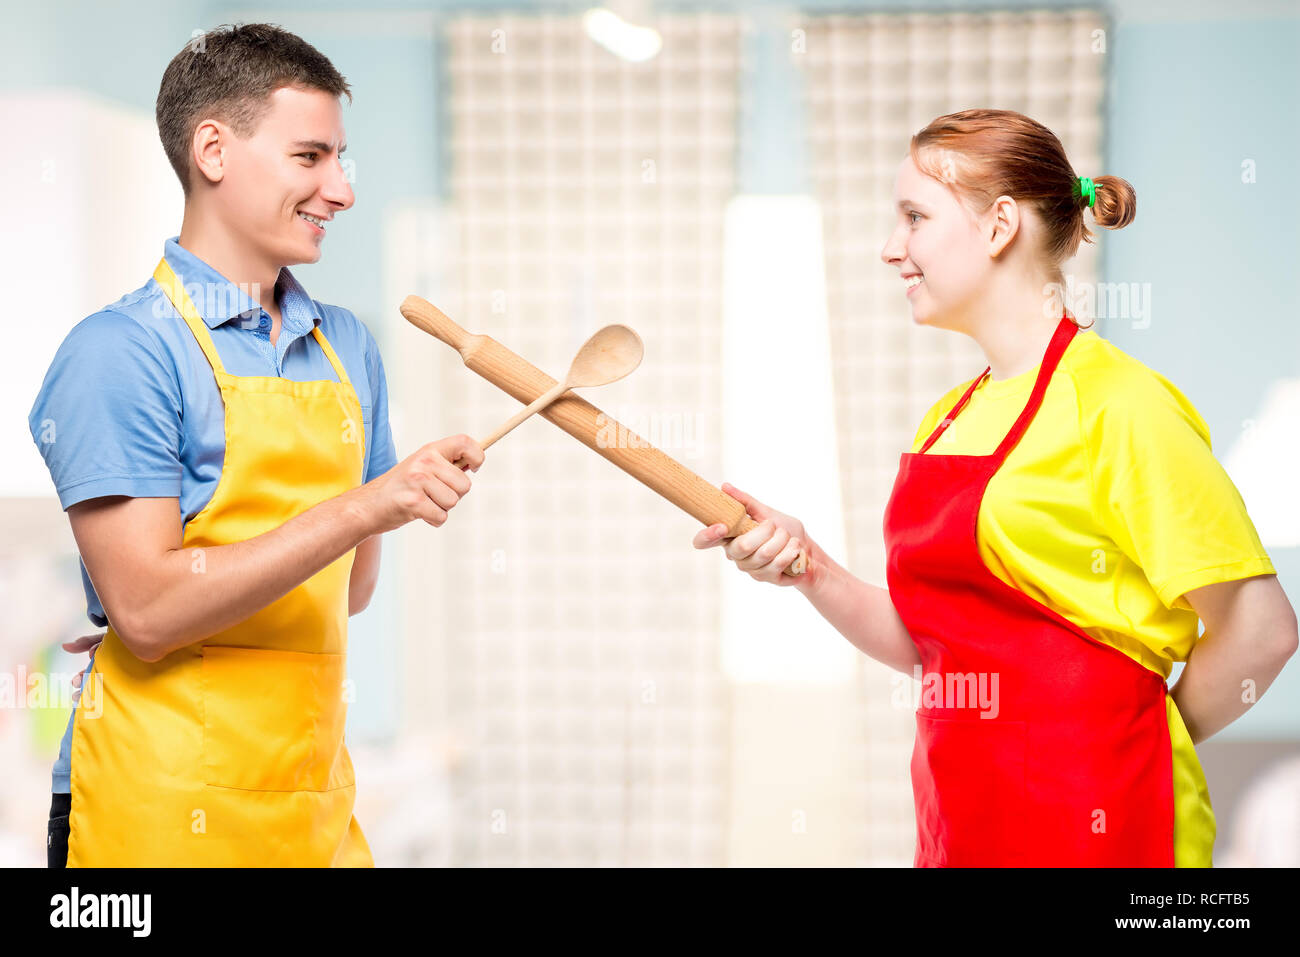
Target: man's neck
<point>216,248</point>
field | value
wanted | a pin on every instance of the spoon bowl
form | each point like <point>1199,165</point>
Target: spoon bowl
<point>609,355</point>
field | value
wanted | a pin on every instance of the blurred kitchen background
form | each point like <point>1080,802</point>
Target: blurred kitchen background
<point>556,677</point>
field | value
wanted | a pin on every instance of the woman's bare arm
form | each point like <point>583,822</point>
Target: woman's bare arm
<point>1250,632</point>
<point>861,612</point>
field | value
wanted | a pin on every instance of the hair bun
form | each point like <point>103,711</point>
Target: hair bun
<point>1115,204</point>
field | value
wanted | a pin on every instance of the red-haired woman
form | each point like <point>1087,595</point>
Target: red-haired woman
<point>1056,546</point>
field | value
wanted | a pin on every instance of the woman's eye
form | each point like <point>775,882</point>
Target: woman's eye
<point>913,213</point>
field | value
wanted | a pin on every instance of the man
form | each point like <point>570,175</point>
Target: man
<point>220,442</point>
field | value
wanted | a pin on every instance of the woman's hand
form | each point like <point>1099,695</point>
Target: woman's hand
<point>764,552</point>
<point>863,613</point>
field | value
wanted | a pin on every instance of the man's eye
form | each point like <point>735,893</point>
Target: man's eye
<point>311,155</point>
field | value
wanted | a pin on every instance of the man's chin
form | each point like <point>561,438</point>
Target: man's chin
<point>298,254</point>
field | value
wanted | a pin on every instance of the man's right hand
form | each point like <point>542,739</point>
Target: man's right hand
<point>424,485</point>
<point>161,593</point>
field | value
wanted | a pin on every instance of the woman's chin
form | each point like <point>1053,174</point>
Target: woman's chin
<point>928,317</point>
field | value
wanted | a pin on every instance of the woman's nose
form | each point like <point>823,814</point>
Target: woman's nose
<point>892,251</point>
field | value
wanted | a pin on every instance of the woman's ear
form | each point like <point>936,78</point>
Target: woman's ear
<point>1002,224</point>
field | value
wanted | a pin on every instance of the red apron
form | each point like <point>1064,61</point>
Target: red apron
<point>1036,744</point>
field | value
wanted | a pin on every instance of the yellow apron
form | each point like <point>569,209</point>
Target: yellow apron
<point>230,751</point>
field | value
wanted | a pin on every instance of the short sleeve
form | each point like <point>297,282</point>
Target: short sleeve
<point>107,419</point>
<point>382,454</point>
<point>1163,497</point>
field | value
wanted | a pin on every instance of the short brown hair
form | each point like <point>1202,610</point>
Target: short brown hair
<point>229,74</point>
<point>984,154</point>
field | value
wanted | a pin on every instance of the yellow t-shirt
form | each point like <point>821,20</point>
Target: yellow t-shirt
<point>1110,508</point>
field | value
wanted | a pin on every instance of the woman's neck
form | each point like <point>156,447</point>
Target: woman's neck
<point>1015,332</point>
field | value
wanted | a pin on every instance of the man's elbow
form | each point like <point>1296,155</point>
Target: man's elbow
<point>359,599</point>
<point>136,638</point>
<point>364,577</point>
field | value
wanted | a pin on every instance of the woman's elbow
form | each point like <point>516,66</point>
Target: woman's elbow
<point>1289,640</point>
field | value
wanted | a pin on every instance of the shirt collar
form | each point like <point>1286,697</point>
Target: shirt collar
<point>218,300</point>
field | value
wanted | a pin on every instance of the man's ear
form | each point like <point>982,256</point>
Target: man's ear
<point>208,151</point>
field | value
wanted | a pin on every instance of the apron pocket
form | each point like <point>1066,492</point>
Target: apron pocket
<point>273,720</point>
<point>968,778</point>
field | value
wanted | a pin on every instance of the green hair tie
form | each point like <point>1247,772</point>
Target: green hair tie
<point>1087,189</point>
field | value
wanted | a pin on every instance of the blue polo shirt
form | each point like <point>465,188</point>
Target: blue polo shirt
<point>130,405</point>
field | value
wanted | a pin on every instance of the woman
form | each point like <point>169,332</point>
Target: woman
<point>1048,555</point>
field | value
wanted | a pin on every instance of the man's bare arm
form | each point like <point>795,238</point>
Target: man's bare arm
<point>365,575</point>
<point>160,597</point>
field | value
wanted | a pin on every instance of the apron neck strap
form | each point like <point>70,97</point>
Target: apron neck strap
<point>175,291</point>
<point>1056,348</point>
<point>171,285</point>
<point>1065,331</point>
<point>330,355</point>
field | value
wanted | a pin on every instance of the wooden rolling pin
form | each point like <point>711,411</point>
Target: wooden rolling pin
<point>582,420</point>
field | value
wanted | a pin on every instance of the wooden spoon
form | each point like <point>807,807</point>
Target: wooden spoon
<point>609,355</point>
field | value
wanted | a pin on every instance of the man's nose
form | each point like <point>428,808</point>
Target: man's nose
<point>337,191</point>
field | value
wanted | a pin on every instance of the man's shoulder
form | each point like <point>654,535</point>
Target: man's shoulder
<point>112,350</point>
<point>127,324</point>
<point>141,315</point>
<point>138,298</point>
<point>135,338</point>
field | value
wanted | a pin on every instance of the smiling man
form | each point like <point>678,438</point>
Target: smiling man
<point>220,442</point>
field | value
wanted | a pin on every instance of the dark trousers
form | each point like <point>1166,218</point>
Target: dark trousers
<point>56,839</point>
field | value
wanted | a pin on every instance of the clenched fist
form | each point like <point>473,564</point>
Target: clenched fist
<point>424,485</point>
<point>764,552</point>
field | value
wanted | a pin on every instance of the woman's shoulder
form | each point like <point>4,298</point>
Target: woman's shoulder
<point>1116,390</point>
